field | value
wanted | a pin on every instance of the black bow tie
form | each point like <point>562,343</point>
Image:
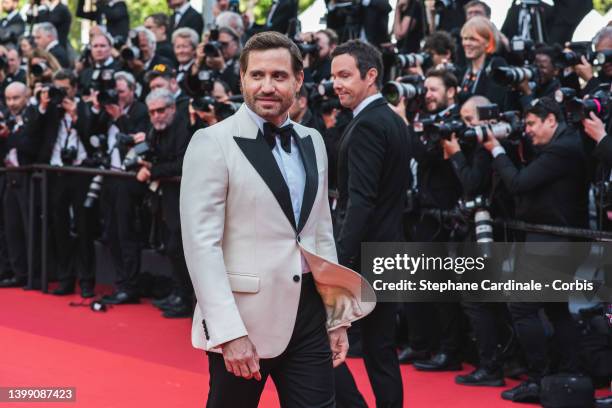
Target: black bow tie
<point>270,132</point>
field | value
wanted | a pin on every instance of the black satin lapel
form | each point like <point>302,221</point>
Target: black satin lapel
<point>261,158</point>
<point>309,159</point>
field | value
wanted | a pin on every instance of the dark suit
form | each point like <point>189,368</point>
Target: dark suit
<point>11,29</point>
<point>373,176</point>
<point>87,74</point>
<point>61,55</point>
<point>375,19</point>
<point>114,14</point>
<point>191,19</point>
<point>551,189</point>
<point>279,16</point>
<point>60,17</point>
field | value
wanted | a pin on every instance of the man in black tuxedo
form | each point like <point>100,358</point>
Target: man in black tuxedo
<point>373,176</point>
<point>23,141</point>
<point>121,197</point>
<point>185,16</point>
<point>279,16</point>
<point>45,37</point>
<point>13,71</point>
<point>12,25</point>
<point>58,14</point>
<point>551,189</point>
<point>112,14</point>
<point>66,143</point>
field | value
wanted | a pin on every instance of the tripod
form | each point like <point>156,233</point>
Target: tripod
<point>530,22</point>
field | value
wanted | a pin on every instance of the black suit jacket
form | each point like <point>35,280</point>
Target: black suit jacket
<point>26,138</point>
<point>279,17</point>
<point>61,55</point>
<point>373,176</point>
<point>552,188</point>
<point>191,18</point>
<point>375,19</point>
<point>116,14</point>
<point>11,30</point>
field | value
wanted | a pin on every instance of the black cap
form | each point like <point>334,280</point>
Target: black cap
<point>162,70</point>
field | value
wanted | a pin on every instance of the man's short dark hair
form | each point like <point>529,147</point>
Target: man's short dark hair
<point>448,78</point>
<point>331,35</point>
<point>269,40</point>
<point>543,107</point>
<point>482,4</point>
<point>366,57</point>
<point>552,51</point>
<point>64,74</point>
<point>440,42</point>
<point>160,20</point>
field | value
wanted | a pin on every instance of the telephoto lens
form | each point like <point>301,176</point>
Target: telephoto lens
<point>499,131</point>
<point>513,75</point>
<point>408,87</point>
<point>484,232</point>
<point>412,60</point>
<point>326,88</point>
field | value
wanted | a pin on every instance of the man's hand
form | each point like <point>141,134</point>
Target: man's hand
<point>338,341</point>
<point>241,358</point>
<point>139,137</point>
<point>114,111</point>
<point>400,109</point>
<point>450,146</point>
<point>584,70</point>
<point>594,127</point>
<point>330,119</point>
<point>523,87</point>
<point>136,65</point>
<point>143,175</point>
<point>491,142</point>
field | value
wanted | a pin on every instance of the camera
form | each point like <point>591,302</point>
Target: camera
<point>522,51</point>
<point>599,103</point>
<point>68,155</point>
<point>205,103</point>
<point>39,69</point>
<point>602,57</point>
<point>434,132</point>
<point>326,88</point>
<point>510,125</point>
<point>514,75</point>
<point>56,95</point>
<point>413,60</point>
<point>213,47</point>
<point>308,47</point>
<point>441,5</point>
<point>140,151</point>
<point>130,53</point>
<point>100,159</point>
<point>108,97</point>
<point>409,87</point>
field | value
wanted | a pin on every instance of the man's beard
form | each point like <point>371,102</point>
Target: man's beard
<point>282,108</point>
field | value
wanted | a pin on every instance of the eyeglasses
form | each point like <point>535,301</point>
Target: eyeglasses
<point>159,111</point>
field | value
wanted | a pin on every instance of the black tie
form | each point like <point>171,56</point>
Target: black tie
<point>270,132</point>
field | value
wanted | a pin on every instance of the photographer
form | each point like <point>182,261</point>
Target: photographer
<point>184,43</point>
<point>317,66</point>
<point>142,55</point>
<point>66,121</point>
<point>547,82</point>
<point>158,24</point>
<point>118,116</point>
<point>45,37</point>
<point>229,41</point>
<point>185,16</point>
<point>41,66</point>
<point>12,25</point>
<point>111,14</point>
<point>12,72</point>
<point>23,140</point>
<point>602,42</point>
<point>168,140</point>
<point>551,189</point>
<point>102,60</point>
<point>164,77</point>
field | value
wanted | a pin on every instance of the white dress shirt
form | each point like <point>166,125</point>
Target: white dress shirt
<point>67,137</point>
<point>292,169</point>
<point>179,13</point>
<point>366,102</point>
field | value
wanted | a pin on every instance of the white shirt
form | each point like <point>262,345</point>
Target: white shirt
<point>64,139</point>
<point>366,102</point>
<point>292,169</point>
<point>51,45</point>
<point>112,140</point>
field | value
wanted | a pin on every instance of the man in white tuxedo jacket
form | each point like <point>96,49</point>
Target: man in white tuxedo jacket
<point>257,234</point>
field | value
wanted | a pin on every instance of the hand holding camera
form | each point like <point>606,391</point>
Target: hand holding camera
<point>594,127</point>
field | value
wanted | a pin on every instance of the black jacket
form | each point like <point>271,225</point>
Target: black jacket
<point>169,148</point>
<point>26,137</point>
<point>375,19</point>
<point>552,188</point>
<point>280,15</point>
<point>373,176</point>
<point>191,18</point>
<point>11,30</point>
<point>59,52</point>
<point>485,85</point>
<point>60,17</point>
<point>113,13</point>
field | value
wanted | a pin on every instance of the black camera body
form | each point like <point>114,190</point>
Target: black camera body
<point>413,59</point>
<point>68,155</point>
<point>205,103</point>
<point>599,103</point>
<point>141,151</point>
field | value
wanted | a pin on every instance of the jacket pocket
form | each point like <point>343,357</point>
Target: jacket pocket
<point>243,283</point>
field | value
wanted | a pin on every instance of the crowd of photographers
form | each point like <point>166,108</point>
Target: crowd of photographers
<point>508,123</point>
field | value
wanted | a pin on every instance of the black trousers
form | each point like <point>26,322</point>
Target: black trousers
<point>5,265</point>
<point>303,373</point>
<point>532,336</point>
<point>380,357</point>
<point>67,194</point>
<point>121,200</point>
<point>16,203</point>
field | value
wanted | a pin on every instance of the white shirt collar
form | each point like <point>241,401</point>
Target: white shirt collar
<point>51,45</point>
<point>259,121</point>
<point>366,102</point>
<point>181,10</point>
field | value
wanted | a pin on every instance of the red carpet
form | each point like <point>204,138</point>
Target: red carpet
<point>132,357</point>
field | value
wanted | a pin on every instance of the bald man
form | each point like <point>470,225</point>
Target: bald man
<point>21,147</point>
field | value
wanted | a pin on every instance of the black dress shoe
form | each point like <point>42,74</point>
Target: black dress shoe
<point>177,302</point>
<point>63,290</point>
<point>13,282</point>
<point>482,376</point>
<point>164,302</point>
<point>410,355</point>
<point>87,292</point>
<point>121,298</point>
<point>178,311</point>
<point>527,391</point>
<point>439,362</point>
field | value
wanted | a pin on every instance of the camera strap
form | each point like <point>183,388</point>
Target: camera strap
<point>68,128</point>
